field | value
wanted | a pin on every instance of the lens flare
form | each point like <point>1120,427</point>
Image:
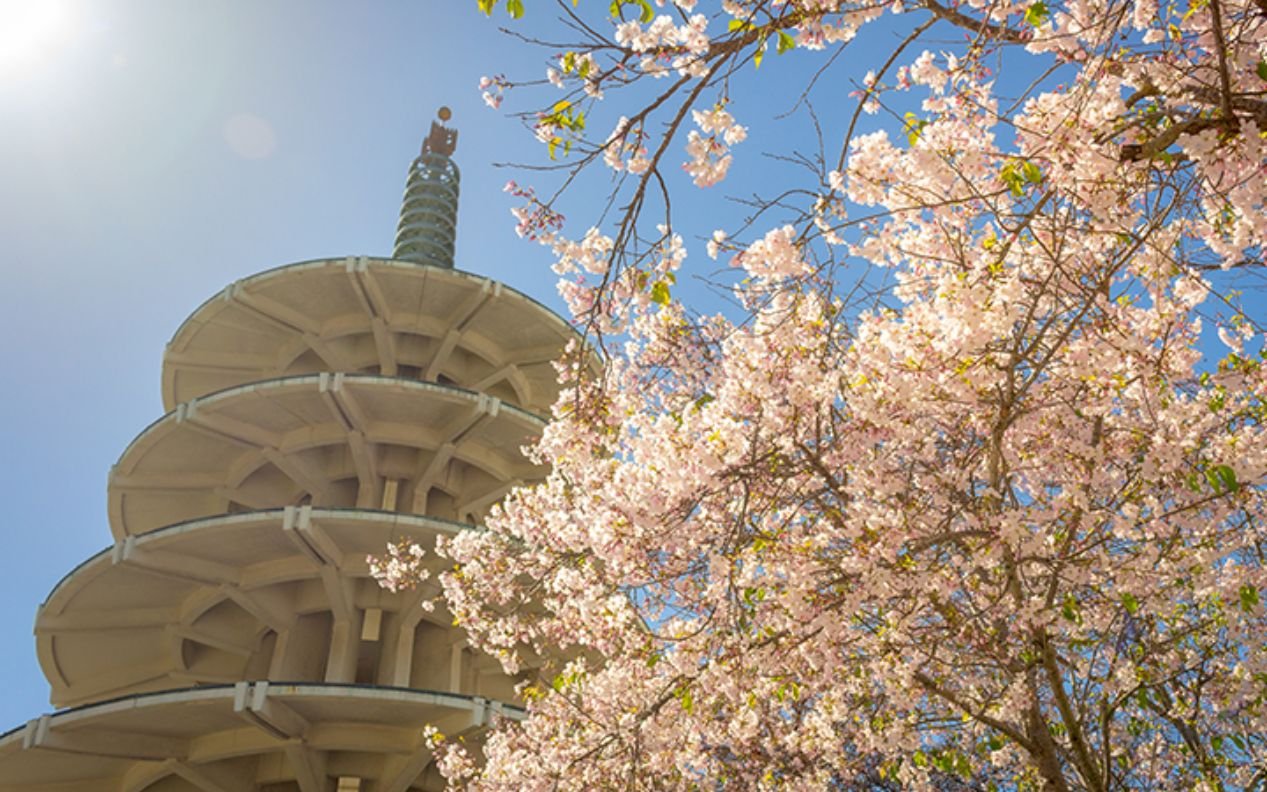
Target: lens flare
<point>29,31</point>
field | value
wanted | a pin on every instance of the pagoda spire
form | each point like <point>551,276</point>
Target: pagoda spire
<point>429,211</point>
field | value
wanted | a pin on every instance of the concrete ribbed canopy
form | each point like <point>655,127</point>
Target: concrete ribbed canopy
<point>239,737</point>
<point>328,440</point>
<point>361,314</point>
<point>207,602</point>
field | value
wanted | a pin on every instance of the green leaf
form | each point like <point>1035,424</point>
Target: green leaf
<point>786,42</point>
<point>1222,478</point>
<point>914,127</point>
<point>1130,603</point>
<point>1217,401</point>
<point>920,759</point>
<point>1249,597</point>
<point>683,694</point>
<point>486,6</point>
<point>737,24</point>
<point>660,293</point>
<point>515,8</point>
<point>1069,609</point>
<point>1012,177</point>
<point>1261,70</point>
<point>1031,173</point>
<point>758,56</point>
<point>646,12</point>
<point>1036,14</point>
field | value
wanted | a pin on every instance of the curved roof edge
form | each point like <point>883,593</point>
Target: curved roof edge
<point>402,263</point>
<point>327,377</point>
<point>243,690</point>
<point>265,515</point>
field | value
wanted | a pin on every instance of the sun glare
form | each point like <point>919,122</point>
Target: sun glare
<point>29,31</point>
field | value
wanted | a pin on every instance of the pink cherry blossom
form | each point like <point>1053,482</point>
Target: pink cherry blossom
<point>960,479</point>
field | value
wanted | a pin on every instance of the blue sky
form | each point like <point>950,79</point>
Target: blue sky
<point>156,150</point>
<point>124,204</point>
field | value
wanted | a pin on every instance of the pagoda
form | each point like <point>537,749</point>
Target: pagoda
<point>231,639</point>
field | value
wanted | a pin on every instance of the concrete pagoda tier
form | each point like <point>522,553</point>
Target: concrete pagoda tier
<point>369,315</point>
<point>247,736</point>
<point>350,440</point>
<point>232,639</point>
<point>282,594</point>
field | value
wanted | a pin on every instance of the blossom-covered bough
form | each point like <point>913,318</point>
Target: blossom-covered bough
<point>968,493</point>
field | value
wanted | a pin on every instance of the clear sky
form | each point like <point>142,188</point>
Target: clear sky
<point>151,152</point>
<point>154,151</point>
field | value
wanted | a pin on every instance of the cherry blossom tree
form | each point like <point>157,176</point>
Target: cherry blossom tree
<point>964,487</point>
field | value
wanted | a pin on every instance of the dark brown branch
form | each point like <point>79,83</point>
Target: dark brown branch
<point>997,32</point>
<point>1008,729</point>
<point>1220,43</point>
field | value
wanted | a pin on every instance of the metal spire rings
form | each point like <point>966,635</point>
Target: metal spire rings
<point>428,214</point>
